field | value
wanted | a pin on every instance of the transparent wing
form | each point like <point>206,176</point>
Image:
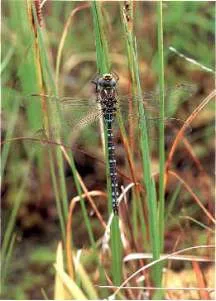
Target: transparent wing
<point>174,119</point>
<point>78,113</point>
<point>72,116</point>
<point>173,98</point>
<point>72,111</point>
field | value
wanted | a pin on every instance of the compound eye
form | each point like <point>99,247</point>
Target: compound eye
<point>113,83</point>
<point>100,81</point>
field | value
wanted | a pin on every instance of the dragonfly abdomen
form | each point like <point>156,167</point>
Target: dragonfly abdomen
<point>112,167</point>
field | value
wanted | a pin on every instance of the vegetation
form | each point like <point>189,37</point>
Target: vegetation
<point>59,238</point>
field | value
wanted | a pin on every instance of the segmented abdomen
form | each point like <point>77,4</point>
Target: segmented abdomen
<point>112,162</point>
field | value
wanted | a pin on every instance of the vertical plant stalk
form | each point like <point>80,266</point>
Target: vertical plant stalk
<point>161,124</point>
<point>103,66</point>
<point>56,119</point>
<point>12,219</point>
<point>41,65</point>
<point>6,260</point>
<point>161,216</point>
<point>144,143</point>
<point>9,134</point>
<point>37,57</point>
<point>59,180</point>
<point>128,22</point>
<point>35,20</point>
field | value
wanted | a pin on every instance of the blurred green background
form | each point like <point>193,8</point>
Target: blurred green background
<point>28,198</point>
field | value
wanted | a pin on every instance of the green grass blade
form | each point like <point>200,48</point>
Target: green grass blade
<point>57,119</point>
<point>101,44</point>
<point>5,265</point>
<point>86,283</point>
<point>144,143</point>
<point>161,219</point>
<point>171,201</point>
<point>161,123</point>
<point>9,131</point>
<point>104,67</point>
<point>59,180</point>
<point>15,209</point>
<point>149,182</point>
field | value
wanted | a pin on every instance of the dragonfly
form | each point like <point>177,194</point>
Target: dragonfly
<point>77,113</point>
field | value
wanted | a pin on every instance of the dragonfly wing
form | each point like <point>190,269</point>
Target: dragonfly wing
<point>90,117</point>
<point>173,98</point>
<point>171,125</point>
<point>67,115</point>
<point>72,110</point>
<point>76,116</point>
<point>129,106</point>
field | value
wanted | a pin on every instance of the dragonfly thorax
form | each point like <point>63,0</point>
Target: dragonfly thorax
<point>106,92</point>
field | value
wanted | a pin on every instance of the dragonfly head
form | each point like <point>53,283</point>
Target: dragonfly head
<point>107,81</point>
